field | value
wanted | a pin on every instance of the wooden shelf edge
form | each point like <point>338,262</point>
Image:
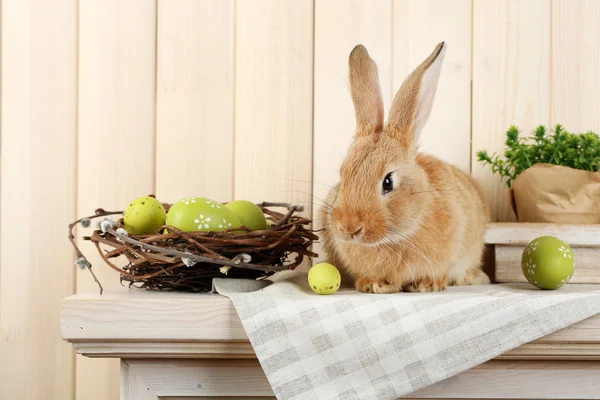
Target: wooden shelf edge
<point>521,233</point>
<point>243,350</point>
<point>554,351</point>
<point>155,349</point>
<point>180,318</point>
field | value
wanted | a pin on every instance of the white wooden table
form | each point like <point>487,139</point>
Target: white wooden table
<point>193,346</point>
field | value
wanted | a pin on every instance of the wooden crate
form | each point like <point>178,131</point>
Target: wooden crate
<point>509,239</point>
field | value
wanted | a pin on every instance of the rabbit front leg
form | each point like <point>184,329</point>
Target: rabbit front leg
<point>366,285</point>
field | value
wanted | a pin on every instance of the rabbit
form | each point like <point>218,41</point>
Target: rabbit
<point>400,220</point>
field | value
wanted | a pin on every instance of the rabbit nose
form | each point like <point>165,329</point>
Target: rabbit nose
<point>351,229</point>
<point>358,231</point>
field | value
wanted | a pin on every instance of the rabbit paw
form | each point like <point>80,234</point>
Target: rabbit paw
<point>427,285</point>
<point>365,285</point>
<point>473,277</point>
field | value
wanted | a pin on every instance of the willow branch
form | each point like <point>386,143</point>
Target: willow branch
<point>99,213</point>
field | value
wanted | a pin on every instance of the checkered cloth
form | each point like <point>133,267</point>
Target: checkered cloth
<point>371,346</point>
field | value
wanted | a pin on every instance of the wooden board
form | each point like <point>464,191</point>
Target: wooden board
<point>116,136</point>
<point>37,198</point>
<point>273,115</point>
<point>520,380</point>
<point>153,379</point>
<point>339,26</point>
<point>576,64</point>
<point>191,378</point>
<point>146,315</point>
<point>418,26</point>
<point>508,264</point>
<point>538,350</point>
<point>509,241</point>
<point>185,319</point>
<point>518,233</point>
<point>511,81</point>
<point>195,99</point>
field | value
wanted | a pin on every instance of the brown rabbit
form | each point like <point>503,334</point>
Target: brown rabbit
<point>399,219</point>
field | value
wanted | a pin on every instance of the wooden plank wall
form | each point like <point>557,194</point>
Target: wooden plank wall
<point>116,135</point>
<point>273,101</point>
<point>38,194</point>
<point>105,101</point>
<point>511,80</point>
<point>195,94</point>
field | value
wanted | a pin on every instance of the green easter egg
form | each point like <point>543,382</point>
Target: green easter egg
<point>249,214</point>
<point>548,262</point>
<point>324,278</point>
<point>144,216</point>
<point>193,214</point>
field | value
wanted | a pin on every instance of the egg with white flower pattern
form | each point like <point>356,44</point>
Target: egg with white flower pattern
<point>548,262</point>
<point>193,214</point>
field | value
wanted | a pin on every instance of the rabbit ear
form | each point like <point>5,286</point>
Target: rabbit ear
<point>413,102</point>
<point>366,94</point>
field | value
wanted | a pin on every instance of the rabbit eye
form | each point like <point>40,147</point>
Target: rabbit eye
<point>388,184</point>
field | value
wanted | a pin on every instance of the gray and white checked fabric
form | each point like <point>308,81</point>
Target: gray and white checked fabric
<point>370,346</point>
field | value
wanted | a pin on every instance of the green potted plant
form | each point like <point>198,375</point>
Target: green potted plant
<point>552,176</point>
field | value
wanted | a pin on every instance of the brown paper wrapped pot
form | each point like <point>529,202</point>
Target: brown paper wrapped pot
<point>557,194</point>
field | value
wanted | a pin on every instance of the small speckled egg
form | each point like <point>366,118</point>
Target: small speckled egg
<point>249,214</point>
<point>144,216</point>
<point>548,262</point>
<point>193,214</point>
<point>324,278</point>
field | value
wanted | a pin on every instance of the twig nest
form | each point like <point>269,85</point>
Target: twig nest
<point>177,259</point>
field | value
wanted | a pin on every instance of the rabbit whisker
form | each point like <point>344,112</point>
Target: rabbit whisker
<point>301,181</point>
<point>439,191</point>
<point>392,262</point>
<point>380,210</point>
<point>416,248</point>
<point>389,256</point>
<point>388,244</point>
<point>339,153</point>
<point>317,198</point>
